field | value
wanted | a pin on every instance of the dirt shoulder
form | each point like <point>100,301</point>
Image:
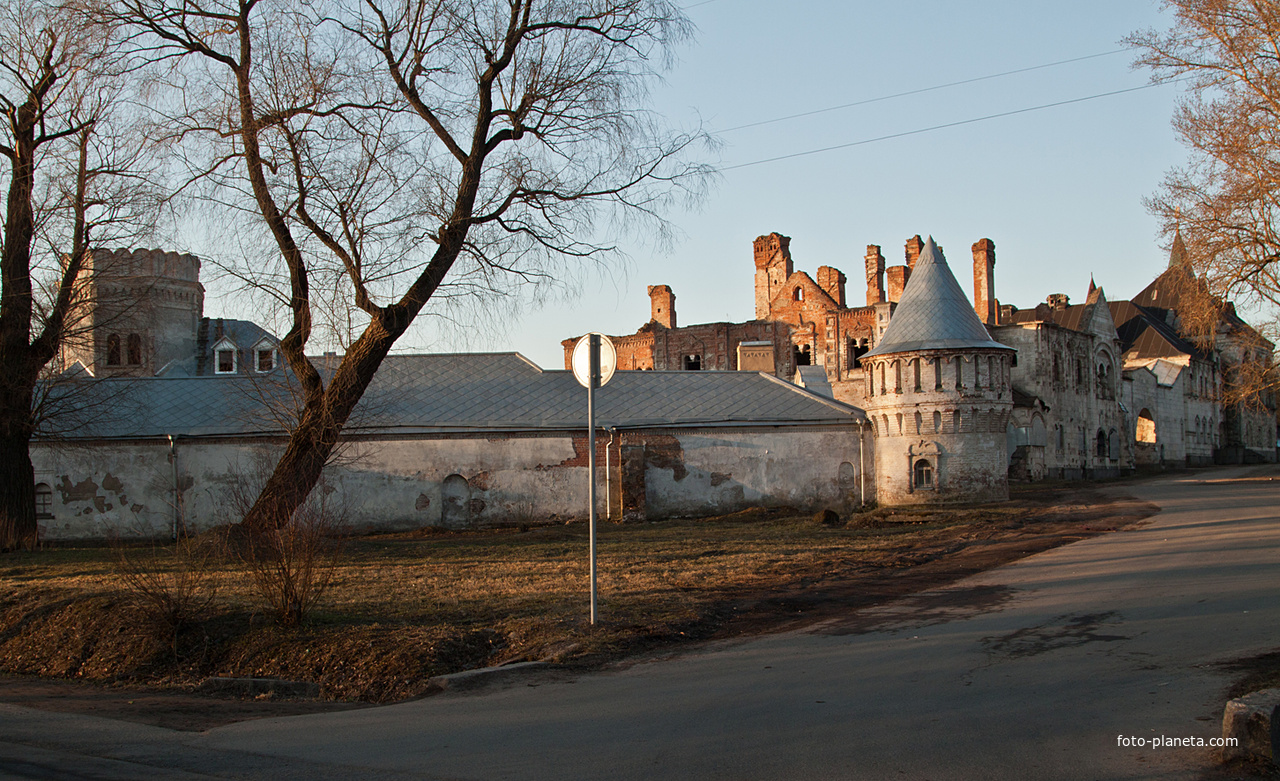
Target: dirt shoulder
<point>911,551</point>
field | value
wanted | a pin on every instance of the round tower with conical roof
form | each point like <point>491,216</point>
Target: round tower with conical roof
<point>939,396</point>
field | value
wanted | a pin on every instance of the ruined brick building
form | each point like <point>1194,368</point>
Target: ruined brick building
<point>1094,389</point>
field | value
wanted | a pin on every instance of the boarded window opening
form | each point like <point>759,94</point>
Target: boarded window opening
<point>135,350</point>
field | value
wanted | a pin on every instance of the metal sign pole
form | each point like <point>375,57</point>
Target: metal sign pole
<point>594,373</point>
<point>594,362</point>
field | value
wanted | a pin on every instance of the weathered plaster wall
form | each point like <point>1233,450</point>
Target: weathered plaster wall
<point>724,471</point>
<point>106,491</point>
<point>947,409</point>
<point>396,483</point>
<point>1059,366</point>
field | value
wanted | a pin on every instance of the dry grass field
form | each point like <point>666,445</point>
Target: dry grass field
<point>402,608</point>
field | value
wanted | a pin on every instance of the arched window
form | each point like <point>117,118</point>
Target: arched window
<point>937,421</point>
<point>1147,427</point>
<point>1057,369</point>
<point>1101,447</point>
<point>797,294</point>
<point>44,501</point>
<point>692,363</point>
<point>919,423</point>
<point>135,349</point>
<point>856,351</point>
<point>113,350</point>
<point>922,476</point>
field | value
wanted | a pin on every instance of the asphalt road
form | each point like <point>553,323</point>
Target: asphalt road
<point>1033,670</point>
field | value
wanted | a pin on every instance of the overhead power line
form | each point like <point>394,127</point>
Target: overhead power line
<point>916,91</point>
<point>947,125</point>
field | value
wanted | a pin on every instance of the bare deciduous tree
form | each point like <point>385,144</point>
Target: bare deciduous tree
<point>1225,202</point>
<point>71,179</point>
<point>393,147</point>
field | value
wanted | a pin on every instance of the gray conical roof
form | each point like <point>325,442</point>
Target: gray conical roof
<point>934,312</point>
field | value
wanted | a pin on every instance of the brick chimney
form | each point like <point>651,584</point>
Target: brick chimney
<point>832,280</point>
<point>898,276</point>
<point>914,247</point>
<point>773,268</point>
<point>662,303</point>
<point>1058,301</point>
<point>875,275</point>
<point>984,281</point>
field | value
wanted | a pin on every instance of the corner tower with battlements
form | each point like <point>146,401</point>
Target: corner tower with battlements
<point>140,310</point>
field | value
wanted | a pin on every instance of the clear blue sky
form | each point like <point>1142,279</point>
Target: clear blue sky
<point>1059,190</point>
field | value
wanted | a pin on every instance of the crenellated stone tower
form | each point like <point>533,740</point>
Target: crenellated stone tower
<point>939,395</point>
<point>139,310</point>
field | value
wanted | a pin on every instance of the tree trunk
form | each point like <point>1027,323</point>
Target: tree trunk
<point>316,436</point>
<point>17,492</point>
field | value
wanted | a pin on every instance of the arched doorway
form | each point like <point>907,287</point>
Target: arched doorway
<point>455,502</point>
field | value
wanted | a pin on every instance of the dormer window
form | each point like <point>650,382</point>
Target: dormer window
<point>264,355</point>
<point>266,359</point>
<point>226,356</point>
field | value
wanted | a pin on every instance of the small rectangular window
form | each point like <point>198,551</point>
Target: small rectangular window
<point>266,360</point>
<point>226,361</point>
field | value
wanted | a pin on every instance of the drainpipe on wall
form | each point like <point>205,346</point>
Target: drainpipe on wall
<point>173,468</point>
<point>608,495</point>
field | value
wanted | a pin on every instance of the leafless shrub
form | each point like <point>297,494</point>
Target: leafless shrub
<point>175,586</point>
<point>293,563</point>
<point>522,514</point>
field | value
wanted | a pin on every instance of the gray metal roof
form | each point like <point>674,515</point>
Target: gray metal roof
<point>457,393</point>
<point>933,312</point>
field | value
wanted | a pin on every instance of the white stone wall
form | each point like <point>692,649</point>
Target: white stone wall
<point>1181,397</point>
<point>126,489</point>
<point>925,407</point>
<point>728,470</point>
<point>1060,367</point>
